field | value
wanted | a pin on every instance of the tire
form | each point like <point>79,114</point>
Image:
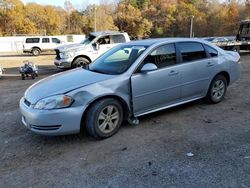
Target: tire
<point>23,76</point>
<point>33,75</point>
<point>217,89</point>
<point>236,49</point>
<point>36,51</point>
<point>99,122</point>
<point>80,62</point>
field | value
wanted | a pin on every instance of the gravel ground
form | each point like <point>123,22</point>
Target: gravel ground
<point>193,145</point>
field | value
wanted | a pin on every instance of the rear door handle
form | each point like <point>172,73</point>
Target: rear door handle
<point>210,64</point>
<point>173,72</point>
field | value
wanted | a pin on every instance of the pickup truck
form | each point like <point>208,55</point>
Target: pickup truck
<point>97,43</point>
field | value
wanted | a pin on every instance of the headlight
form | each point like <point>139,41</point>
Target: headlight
<point>54,102</point>
<point>65,55</point>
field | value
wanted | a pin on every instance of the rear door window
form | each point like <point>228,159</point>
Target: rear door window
<point>45,40</point>
<point>118,39</point>
<point>32,40</point>
<point>191,51</point>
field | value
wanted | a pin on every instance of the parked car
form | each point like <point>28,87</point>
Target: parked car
<point>36,45</point>
<point>128,81</point>
<point>97,43</point>
<point>217,39</point>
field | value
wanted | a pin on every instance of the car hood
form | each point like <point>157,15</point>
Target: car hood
<point>62,83</point>
<point>69,47</point>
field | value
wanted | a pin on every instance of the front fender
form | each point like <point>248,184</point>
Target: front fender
<point>118,87</point>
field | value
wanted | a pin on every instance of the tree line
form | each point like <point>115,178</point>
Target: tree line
<point>140,18</point>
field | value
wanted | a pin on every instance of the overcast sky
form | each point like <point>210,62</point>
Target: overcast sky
<point>79,4</point>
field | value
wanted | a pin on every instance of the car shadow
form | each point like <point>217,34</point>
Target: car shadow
<point>197,103</point>
<point>83,137</point>
<point>245,53</point>
<point>26,54</point>
<point>42,70</point>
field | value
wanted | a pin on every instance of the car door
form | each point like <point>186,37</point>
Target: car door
<point>45,45</point>
<point>196,69</point>
<point>156,89</point>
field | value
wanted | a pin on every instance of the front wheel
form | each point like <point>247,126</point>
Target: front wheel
<point>217,89</point>
<point>104,118</point>
<point>80,62</point>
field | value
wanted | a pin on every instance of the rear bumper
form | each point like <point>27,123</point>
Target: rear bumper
<point>235,70</point>
<point>51,122</point>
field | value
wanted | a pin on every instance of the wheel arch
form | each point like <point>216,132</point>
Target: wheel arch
<point>83,56</point>
<point>125,107</point>
<point>36,48</point>
<point>208,93</point>
<point>225,74</point>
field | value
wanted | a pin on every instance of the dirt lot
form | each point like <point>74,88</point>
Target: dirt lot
<point>153,154</point>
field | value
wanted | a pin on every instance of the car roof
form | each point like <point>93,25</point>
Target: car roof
<point>98,33</point>
<point>41,37</point>
<point>149,42</point>
<point>159,41</point>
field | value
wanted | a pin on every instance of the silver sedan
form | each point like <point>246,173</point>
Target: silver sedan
<point>129,81</point>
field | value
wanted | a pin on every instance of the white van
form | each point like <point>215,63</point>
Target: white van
<point>36,45</point>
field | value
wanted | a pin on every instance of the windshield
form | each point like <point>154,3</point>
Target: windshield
<point>117,60</point>
<point>88,39</point>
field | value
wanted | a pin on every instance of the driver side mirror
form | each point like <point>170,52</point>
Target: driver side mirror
<point>148,67</point>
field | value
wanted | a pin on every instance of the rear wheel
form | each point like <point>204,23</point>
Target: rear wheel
<point>36,51</point>
<point>80,62</point>
<point>104,118</point>
<point>217,89</point>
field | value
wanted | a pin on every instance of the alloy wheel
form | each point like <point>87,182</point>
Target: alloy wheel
<point>108,119</point>
<point>218,89</point>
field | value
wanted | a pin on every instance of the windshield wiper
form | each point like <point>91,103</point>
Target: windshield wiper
<point>97,71</point>
<point>86,66</point>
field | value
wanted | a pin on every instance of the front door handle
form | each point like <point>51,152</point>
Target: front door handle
<point>210,64</point>
<point>173,72</point>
